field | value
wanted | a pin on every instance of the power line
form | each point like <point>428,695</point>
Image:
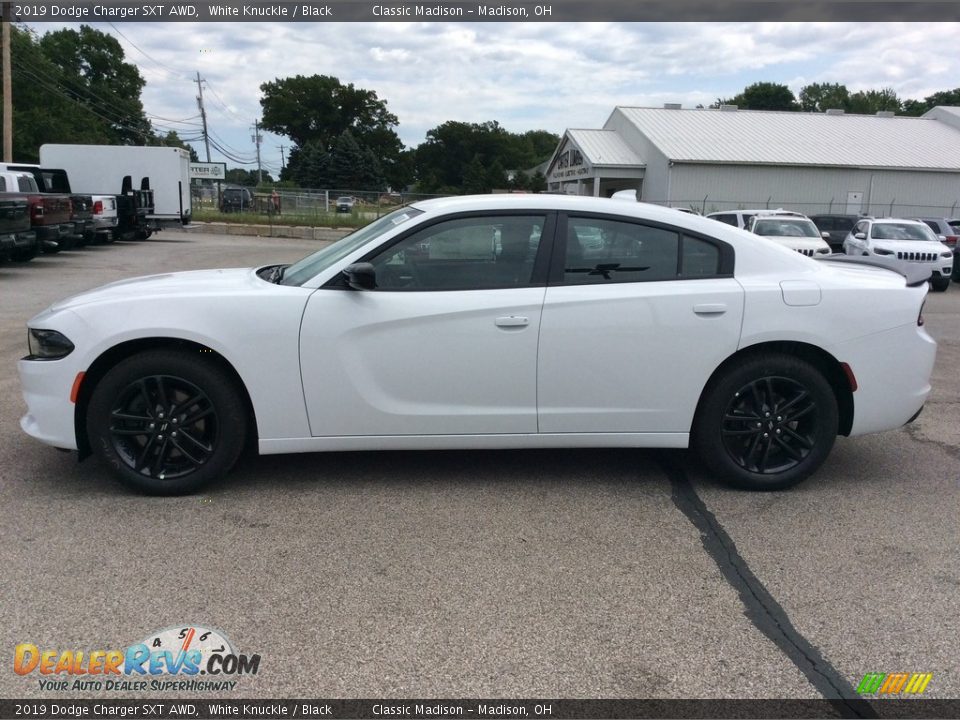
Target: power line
<point>146,54</point>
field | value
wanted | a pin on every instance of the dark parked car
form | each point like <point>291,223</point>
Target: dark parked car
<point>236,200</point>
<point>836,226</point>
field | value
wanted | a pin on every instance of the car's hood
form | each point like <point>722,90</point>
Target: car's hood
<point>200,282</point>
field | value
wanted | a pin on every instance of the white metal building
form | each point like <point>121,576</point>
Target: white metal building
<point>728,158</point>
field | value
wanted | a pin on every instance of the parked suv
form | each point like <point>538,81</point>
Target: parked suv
<point>899,243</point>
<point>837,228</point>
<point>796,233</point>
<point>742,218</point>
<point>949,230</point>
<point>344,204</point>
<point>236,200</point>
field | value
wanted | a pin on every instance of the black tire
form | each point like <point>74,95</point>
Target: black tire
<point>25,254</point>
<point>147,400</point>
<point>766,423</point>
<point>940,284</point>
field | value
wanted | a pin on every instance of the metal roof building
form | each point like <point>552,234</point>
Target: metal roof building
<point>728,158</point>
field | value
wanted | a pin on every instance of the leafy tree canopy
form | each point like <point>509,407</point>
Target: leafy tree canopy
<point>764,96</point>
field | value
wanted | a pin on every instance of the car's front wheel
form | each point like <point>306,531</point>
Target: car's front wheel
<point>766,423</point>
<point>168,422</point>
<point>940,284</point>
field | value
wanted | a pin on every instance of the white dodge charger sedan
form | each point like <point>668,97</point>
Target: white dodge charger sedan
<point>523,321</point>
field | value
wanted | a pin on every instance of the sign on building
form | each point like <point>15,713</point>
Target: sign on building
<point>208,171</point>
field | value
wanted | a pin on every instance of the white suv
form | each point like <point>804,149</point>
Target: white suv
<point>793,231</point>
<point>742,218</point>
<point>899,243</point>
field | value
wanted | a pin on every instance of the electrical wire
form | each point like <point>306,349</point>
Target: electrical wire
<point>147,55</point>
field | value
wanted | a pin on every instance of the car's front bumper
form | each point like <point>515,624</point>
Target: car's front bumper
<point>46,386</point>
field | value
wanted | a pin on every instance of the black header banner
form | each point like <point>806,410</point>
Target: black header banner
<point>87,11</point>
<point>164,709</point>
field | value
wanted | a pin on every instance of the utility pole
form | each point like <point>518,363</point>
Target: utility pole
<point>257,139</point>
<point>7,86</point>
<point>203,115</point>
<point>283,160</point>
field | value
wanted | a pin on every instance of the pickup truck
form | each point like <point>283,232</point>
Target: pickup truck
<point>55,181</point>
<point>16,237</point>
<point>49,213</point>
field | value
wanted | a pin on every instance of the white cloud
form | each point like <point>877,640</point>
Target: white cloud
<point>524,75</point>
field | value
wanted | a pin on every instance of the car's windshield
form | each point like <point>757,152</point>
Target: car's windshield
<point>784,227</point>
<point>902,231</point>
<point>303,270</point>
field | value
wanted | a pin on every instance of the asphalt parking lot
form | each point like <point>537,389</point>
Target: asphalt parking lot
<point>564,574</point>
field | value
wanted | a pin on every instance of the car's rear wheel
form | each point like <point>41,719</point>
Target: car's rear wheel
<point>168,422</point>
<point>766,423</point>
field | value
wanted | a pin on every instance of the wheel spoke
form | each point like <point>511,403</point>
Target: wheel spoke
<point>157,468</point>
<point>141,461</point>
<point>800,413</point>
<point>186,453</point>
<point>762,465</point>
<point>161,393</point>
<point>800,396</point>
<point>148,404</point>
<point>791,451</point>
<point>806,442</point>
<point>180,407</point>
<point>118,415</point>
<point>191,438</point>
<point>197,416</point>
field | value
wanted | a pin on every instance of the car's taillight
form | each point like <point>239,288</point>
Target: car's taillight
<point>920,316</point>
<point>950,240</point>
<point>98,207</point>
<point>36,210</point>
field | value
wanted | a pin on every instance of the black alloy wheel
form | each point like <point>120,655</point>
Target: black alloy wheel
<point>164,427</point>
<point>168,422</point>
<point>766,422</point>
<point>770,425</point>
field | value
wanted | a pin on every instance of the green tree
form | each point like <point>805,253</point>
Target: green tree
<point>870,102</point>
<point>944,97</point>
<point>171,139</point>
<point>475,177</point>
<point>443,159</point>
<point>537,182</point>
<point>42,111</point>
<point>496,177</point>
<point>764,96</point>
<point>319,109</point>
<point>819,97</point>
<point>93,71</point>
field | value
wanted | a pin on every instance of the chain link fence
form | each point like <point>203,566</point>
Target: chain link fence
<point>300,206</point>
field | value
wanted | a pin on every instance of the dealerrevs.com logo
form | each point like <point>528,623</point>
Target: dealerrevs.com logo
<point>180,658</point>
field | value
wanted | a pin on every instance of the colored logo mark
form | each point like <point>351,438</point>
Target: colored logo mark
<point>894,683</point>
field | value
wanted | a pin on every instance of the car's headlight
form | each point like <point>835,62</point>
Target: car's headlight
<point>48,345</point>
<point>946,254</point>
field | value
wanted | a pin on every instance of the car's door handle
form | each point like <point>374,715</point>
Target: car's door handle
<point>512,321</point>
<point>710,309</point>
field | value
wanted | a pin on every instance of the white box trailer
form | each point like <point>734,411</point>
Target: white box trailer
<point>100,169</point>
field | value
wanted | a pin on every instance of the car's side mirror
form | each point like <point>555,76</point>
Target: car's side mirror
<point>942,238</point>
<point>361,276</point>
<point>824,234</point>
<point>861,236</point>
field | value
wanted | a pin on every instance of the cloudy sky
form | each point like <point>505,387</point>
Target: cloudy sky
<point>524,75</point>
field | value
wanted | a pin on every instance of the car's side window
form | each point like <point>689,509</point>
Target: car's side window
<point>472,253</point>
<point>603,251</point>
<point>726,218</point>
<point>699,258</point>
